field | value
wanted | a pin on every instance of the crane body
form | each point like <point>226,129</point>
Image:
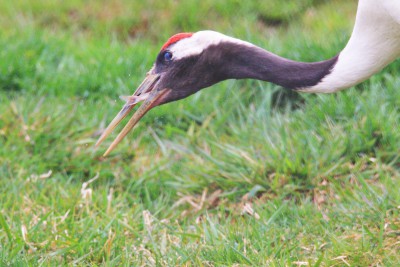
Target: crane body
<point>189,62</point>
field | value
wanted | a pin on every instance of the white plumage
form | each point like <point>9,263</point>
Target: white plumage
<point>374,43</point>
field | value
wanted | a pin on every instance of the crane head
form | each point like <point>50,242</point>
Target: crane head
<point>182,68</point>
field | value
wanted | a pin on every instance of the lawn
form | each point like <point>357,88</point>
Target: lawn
<point>240,174</point>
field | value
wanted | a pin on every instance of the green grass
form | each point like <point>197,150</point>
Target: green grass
<point>229,176</point>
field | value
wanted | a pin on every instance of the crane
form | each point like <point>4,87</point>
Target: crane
<point>189,62</point>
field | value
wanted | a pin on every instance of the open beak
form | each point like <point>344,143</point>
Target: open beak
<point>150,94</point>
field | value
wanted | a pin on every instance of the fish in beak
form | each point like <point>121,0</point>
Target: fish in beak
<point>149,93</point>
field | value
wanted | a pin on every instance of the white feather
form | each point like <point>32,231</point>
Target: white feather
<point>374,43</point>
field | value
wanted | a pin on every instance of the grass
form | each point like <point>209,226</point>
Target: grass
<point>229,176</point>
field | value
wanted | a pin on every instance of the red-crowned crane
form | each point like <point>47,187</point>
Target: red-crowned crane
<point>189,62</point>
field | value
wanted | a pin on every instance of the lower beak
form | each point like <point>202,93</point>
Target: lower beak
<point>147,92</point>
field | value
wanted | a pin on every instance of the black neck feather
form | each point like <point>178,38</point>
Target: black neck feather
<point>242,62</point>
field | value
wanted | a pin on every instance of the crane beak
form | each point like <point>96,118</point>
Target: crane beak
<point>146,92</point>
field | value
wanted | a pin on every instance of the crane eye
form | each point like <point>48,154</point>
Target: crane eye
<point>167,56</point>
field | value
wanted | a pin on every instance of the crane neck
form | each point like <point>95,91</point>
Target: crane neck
<point>252,62</point>
<point>374,43</point>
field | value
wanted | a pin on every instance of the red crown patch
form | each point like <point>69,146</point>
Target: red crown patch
<point>176,38</point>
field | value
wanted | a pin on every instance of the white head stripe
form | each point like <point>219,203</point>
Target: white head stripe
<point>199,41</point>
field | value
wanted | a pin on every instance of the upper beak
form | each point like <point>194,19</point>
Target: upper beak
<point>147,92</point>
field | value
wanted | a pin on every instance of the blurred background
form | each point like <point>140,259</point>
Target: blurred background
<point>128,34</point>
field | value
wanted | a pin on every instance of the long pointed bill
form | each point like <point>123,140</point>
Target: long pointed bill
<point>149,103</point>
<point>147,93</point>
